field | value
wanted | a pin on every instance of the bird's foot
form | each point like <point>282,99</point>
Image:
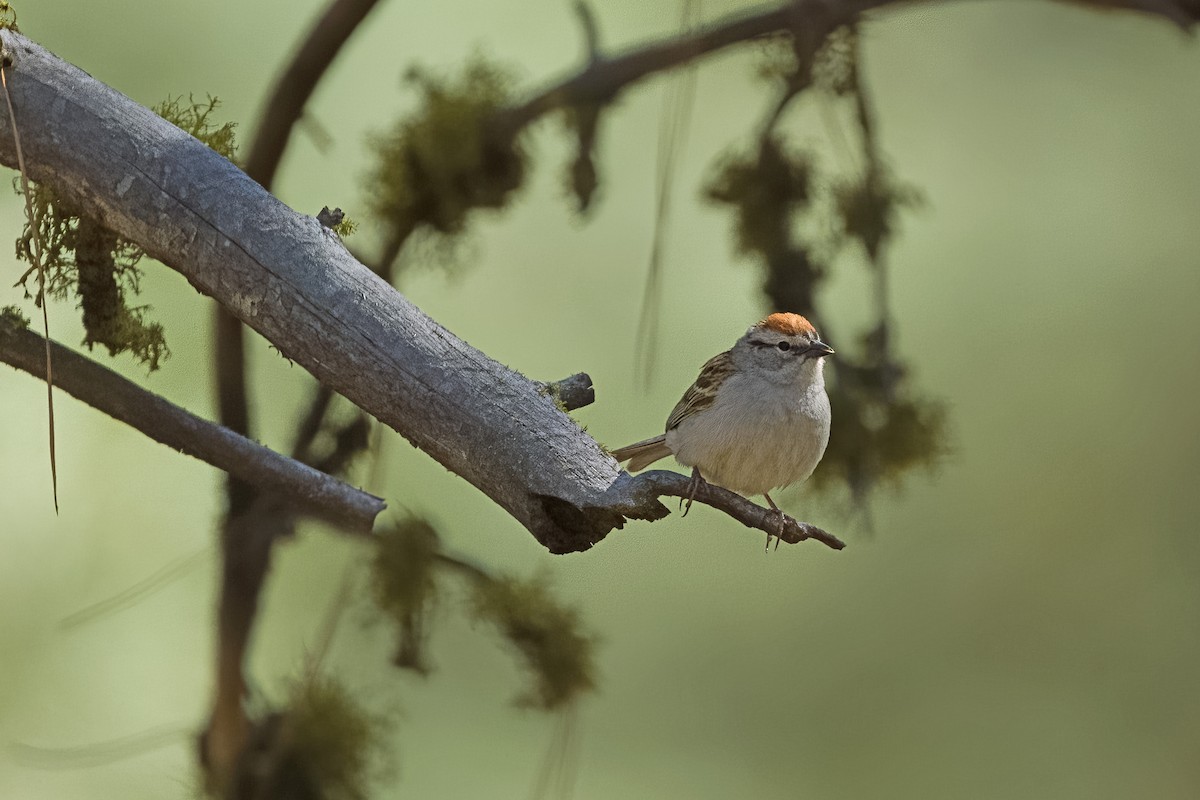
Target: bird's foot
<point>780,518</point>
<point>693,486</point>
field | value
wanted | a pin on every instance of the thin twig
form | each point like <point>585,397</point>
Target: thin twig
<point>662,483</point>
<point>311,490</point>
<point>603,78</point>
<point>127,597</point>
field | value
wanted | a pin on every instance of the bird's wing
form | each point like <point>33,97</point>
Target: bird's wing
<point>701,394</point>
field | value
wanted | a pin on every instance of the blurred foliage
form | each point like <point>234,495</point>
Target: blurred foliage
<point>882,426</point>
<point>8,17</point>
<point>437,165</point>
<point>765,191</point>
<point>868,206</point>
<point>794,222</point>
<point>546,634</point>
<point>835,66</point>
<point>405,585</point>
<point>13,317</point>
<point>407,564</point>
<point>582,122</point>
<point>320,746</point>
<point>330,738</point>
<point>82,255</point>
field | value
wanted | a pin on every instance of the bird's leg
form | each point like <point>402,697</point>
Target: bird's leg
<point>779,527</point>
<point>693,485</point>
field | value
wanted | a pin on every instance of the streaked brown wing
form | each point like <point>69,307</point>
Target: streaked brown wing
<point>703,392</point>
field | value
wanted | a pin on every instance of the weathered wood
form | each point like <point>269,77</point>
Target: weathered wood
<point>290,279</point>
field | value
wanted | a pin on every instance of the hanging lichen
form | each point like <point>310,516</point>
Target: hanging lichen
<point>8,17</point>
<point>319,746</point>
<point>82,256</point>
<point>769,190</point>
<point>868,207</point>
<point>405,585</point>
<point>13,318</point>
<point>547,635</point>
<point>437,165</point>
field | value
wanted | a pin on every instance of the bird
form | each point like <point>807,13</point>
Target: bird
<point>756,419</point>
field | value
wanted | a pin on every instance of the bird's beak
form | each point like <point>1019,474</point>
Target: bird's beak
<point>820,349</point>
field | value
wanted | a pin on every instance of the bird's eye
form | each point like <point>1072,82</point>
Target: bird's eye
<point>785,346</point>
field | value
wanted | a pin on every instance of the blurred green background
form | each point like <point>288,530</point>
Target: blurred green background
<point>1022,622</point>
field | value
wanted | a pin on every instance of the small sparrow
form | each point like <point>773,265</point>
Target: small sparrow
<point>756,419</point>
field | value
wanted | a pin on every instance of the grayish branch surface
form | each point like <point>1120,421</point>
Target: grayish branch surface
<point>290,279</point>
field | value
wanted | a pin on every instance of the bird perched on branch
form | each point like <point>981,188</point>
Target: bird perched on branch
<point>756,419</point>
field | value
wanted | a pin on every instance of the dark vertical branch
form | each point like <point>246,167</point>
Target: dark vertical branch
<point>297,83</point>
<point>254,521</point>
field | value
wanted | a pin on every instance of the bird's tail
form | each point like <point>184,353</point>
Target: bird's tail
<point>642,454</point>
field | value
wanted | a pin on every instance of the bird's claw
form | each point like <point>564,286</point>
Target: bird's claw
<point>693,485</point>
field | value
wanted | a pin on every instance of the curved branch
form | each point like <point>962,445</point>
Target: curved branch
<point>312,491</point>
<point>662,483</point>
<point>604,77</point>
<point>297,83</point>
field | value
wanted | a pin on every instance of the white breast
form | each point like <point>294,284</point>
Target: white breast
<point>757,435</point>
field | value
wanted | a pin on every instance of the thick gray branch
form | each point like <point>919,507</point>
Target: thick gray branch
<point>290,279</point>
<point>311,490</point>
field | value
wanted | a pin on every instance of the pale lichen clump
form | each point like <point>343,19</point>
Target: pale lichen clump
<point>445,160</point>
<point>81,256</point>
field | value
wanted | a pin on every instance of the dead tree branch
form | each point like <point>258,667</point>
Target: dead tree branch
<point>661,483</point>
<point>310,490</point>
<point>290,279</point>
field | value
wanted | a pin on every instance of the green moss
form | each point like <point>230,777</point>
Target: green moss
<point>404,584</point>
<point>13,318</point>
<point>436,166</point>
<point>765,189</point>
<point>329,740</point>
<point>868,207</point>
<point>345,228</point>
<point>545,633</point>
<point>8,17</point>
<point>82,257</point>
<point>554,392</point>
<point>195,118</point>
